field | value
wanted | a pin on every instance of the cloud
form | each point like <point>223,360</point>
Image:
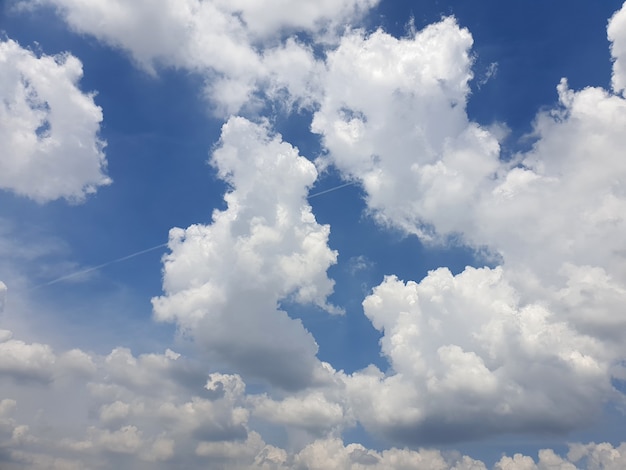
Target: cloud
<point>491,72</point>
<point>333,454</point>
<point>120,408</point>
<point>401,130</point>
<point>48,127</point>
<point>464,350</point>
<point>617,35</point>
<point>480,353</point>
<point>28,362</point>
<point>551,219</point>
<point>313,412</point>
<point>238,45</point>
<point>403,133</point>
<point>157,421</point>
<point>279,15</point>
<point>223,281</point>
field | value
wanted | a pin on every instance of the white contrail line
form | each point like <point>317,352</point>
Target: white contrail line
<point>132,255</point>
<point>100,266</point>
<point>331,189</point>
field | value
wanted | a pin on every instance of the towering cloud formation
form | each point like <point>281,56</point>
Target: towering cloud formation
<point>223,281</point>
<point>48,127</point>
<point>553,217</point>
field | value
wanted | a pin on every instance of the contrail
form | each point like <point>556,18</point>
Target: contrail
<point>100,266</point>
<point>138,253</point>
<point>331,189</point>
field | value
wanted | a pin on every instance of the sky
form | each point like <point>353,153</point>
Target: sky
<point>341,234</point>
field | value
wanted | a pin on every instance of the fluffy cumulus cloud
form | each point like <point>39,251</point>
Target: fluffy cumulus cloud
<point>457,344</point>
<point>162,411</point>
<point>48,127</point>
<point>465,350</point>
<point>223,281</point>
<point>146,411</point>
<point>402,130</point>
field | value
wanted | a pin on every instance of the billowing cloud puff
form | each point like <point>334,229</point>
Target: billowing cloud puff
<point>48,127</point>
<point>563,203</point>
<point>554,217</point>
<point>142,415</point>
<point>466,349</point>
<point>333,454</point>
<point>313,412</point>
<point>402,130</point>
<point>23,361</point>
<point>223,281</point>
<point>237,44</point>
<point>139,414</point>
<point>138,411</point>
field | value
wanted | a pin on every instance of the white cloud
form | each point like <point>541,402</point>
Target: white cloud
<point>601,456</point>
<point>152,408</point>
<point>403,132</point>
<point>23,361</point>
<point>554,218</point>
<point>237,45</point>
<point>159,421</point>
<point>48,127</point>
<point>313,412</point>
<point>277,15</point>
<point>465,349</point>
<point>126,440</point>
<point>332,454</point>
<point>401,129</point>
<point>565,201</point>
<point>223,281</point>
<point>494,346</point>
<point>617,35</point>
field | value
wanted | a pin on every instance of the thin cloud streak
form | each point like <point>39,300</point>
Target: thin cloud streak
<point>147,250</point>
<point>100,266</point>
<point>331,189</point>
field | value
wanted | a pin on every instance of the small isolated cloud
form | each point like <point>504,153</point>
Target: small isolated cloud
<point>491,72</point>
<point>359,263</point>
<point>48,127</point>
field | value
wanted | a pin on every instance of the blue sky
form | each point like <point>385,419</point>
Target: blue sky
<point>350,234</point>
